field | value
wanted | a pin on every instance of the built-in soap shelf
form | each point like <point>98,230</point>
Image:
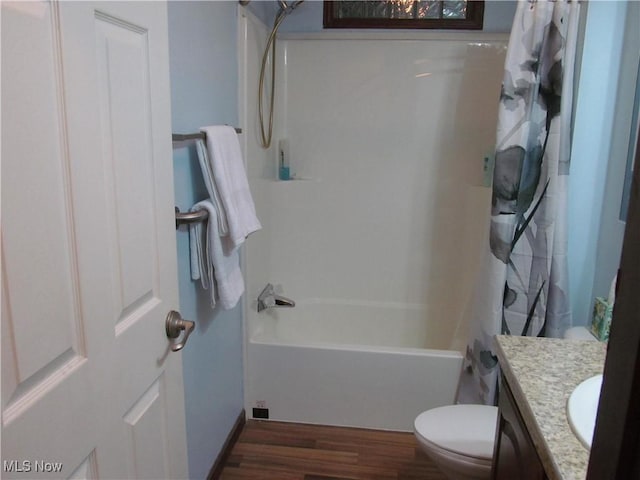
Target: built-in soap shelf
<point>300,179</point>
<point>285,173</point>
<point>284,166</point>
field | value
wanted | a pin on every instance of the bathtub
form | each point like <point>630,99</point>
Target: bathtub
<point>359,364</point>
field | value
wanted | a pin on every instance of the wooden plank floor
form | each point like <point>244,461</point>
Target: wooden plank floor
<point>291,451</point>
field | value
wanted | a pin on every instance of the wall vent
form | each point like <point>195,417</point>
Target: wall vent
<point>261,413</point>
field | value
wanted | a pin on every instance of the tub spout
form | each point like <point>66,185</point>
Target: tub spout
<point>284,301</point>
<point>269,299</point>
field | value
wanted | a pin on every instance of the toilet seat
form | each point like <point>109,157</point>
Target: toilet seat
<point>463,431</point>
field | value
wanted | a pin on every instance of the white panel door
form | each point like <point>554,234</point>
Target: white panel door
<point>90,388</point>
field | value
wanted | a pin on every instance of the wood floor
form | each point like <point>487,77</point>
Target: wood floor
<point>289,451</point>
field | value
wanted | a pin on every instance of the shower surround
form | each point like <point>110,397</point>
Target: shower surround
<point>378,237</point>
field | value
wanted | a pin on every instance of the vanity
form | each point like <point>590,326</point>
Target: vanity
<point>534,440</point>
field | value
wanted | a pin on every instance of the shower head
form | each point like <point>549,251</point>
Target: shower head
<point>286,7</point>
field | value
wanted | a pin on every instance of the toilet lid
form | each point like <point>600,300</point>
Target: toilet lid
<point>464,429</point>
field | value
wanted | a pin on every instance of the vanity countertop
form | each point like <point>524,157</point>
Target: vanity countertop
<point>542,373</point>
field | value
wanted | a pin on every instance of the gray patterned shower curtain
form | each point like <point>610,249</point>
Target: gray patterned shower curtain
<point>523,288</point>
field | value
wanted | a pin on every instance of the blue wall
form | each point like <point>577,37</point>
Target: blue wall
<point>623,142</point>
<point>204,91</point>
<point>590,158</point>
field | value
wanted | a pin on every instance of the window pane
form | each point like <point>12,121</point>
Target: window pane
<point>429,9</point>
<point>438,14</point>
<point>377,9</point>
<point>454,10</point>
<point>349,9</point>
<point>401,9</point>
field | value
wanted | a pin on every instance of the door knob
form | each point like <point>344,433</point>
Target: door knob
<point>175,324</point>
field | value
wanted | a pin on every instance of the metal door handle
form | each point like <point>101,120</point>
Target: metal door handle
<point>174,325</point>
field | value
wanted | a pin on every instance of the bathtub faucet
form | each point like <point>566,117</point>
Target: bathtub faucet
<point>269,299</point>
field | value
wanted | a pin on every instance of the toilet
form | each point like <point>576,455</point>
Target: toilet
<point>579,333</point>
<point>459,439</point>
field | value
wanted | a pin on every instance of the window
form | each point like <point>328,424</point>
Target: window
<point>440,14</point>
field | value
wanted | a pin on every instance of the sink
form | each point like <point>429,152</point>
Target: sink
<point>582,408</point>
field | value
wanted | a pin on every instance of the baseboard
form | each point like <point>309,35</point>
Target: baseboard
<point>216,469</point>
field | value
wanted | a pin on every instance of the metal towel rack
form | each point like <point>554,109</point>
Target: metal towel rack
<point>187,137</point>
<point>187,218</point>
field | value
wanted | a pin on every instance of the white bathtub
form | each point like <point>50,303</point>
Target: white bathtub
<point>372,365</point>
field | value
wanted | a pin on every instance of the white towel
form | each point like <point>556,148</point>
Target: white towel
<point>197,255</point>
<point>231,183</point>
<point>209,181</point>
<point>214,263</point>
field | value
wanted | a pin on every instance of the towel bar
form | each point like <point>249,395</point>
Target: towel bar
<point>190,217</point>
<point>185,137</point>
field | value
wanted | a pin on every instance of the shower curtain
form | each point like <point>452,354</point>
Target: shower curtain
<point>523,285</point>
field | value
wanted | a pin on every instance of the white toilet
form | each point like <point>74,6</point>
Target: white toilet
<point>460,438</point>
<point>579,333</point>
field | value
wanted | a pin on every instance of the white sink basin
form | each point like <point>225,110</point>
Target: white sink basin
<point>582,408</point>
